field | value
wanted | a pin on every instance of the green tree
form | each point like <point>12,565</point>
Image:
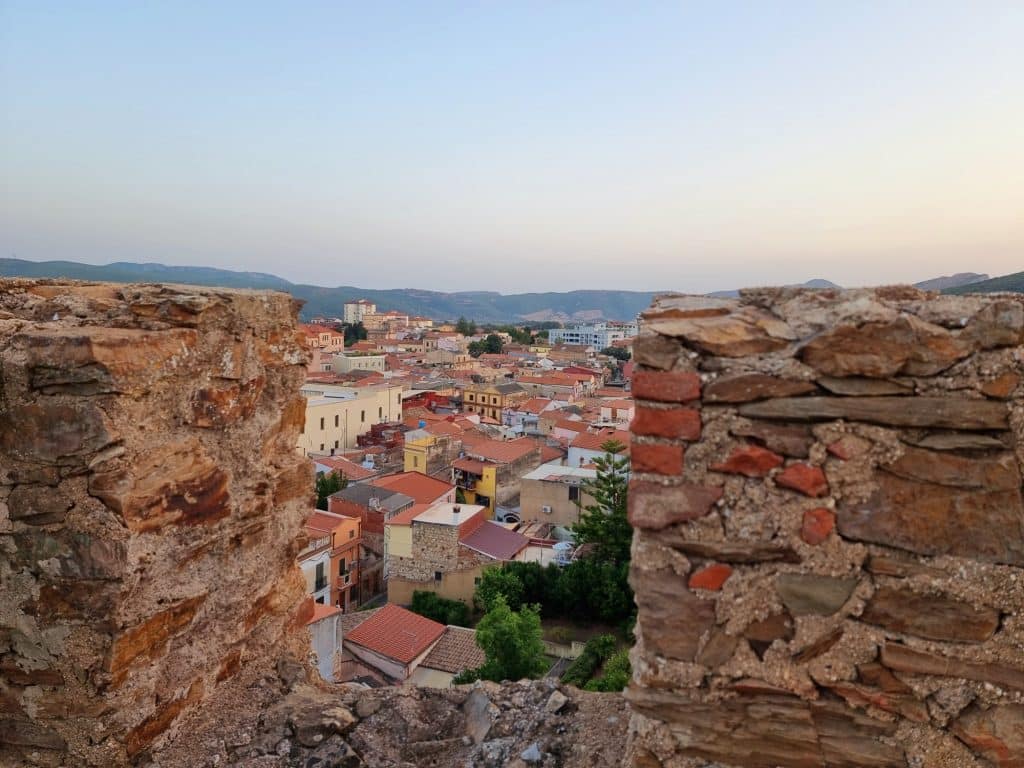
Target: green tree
<point>326,484</point>
<point>493,344</point>
<point>465,327</point>
<point>604,523</point>
<point>619,353</point>
<point>440,609</point>
<point>512,644</point>
<point>498,582</point>
<point>354,333</point>
<point>616,674</point>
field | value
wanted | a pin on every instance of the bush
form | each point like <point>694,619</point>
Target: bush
<point>498,581</point>
<point>440,609</point>
<point>594,653</point>
<point>617,673</point>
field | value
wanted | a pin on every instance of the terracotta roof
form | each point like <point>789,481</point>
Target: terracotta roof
<point>501,451</point>
<point>321,611</point>
<point>455,651</point>
<point>494,540</point>
<point>406,516</point>
<point>325,521</point>
<point>423,488</point>
<point>396,633</point>
<point>471,465</point>
<point>534,405</point>
<point>591,441</point>
<point>622,404</point>
<point>549,452</point>
<point>350,621</point>
<point>443,428</point>
<point>349,469</point>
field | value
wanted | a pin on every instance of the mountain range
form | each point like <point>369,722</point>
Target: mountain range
<point>481,306</point>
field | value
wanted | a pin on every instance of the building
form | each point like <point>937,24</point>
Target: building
<point>355,311</point>
<point>432,450</point>
<point>359,361</point>
<point>586,446</point>
<point>489,400</point>
<point>422,488</point>
<point>444,548</point>
<point>325,638</point>
<point>488,472</point>
<point>555,494</point>
<point>336,416</point>
<point>552,386</point>
<point>598,335</point>
<point>330,559</point>
<point>455,652</point>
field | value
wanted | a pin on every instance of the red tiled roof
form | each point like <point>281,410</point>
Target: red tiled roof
<point>471,465</point>
<point>549,452</point>
<point>455,651</point>
<point>534,405</point>
<point>423,488</point>
<point>406,516</point>
<point>325,521</point>
<point>396,633</point>
<point>349,469</point>
<point>590,441</point>
<point>495,541</point>
<point>321,611</point>
<point>501,451</point>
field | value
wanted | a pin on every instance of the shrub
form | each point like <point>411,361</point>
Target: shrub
<point>594,653</point>
<point>617,673</point>
<point>440,609</point>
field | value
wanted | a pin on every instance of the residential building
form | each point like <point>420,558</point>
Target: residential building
<point>358,361</point>
<point>432,449</point>
<point>599,335</point>
<point>586,446</point>
<point>352,472</point>
<point>325,638</point>
<point>330,559</point>
<point>555,494</point>
<point>393,645</point>
<point>355,311</point>
<point>336,416</point>
<point>444,549</point>
<point>489,400</point>
<point>552,386</point>
<point>422,488</point>
<point>619,411</point>
<point>489,470</point>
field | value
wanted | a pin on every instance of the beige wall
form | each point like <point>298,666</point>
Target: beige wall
<point>457,585</point>
<point>344,420</point>
<point>346,363</point>
<point>535,494</point>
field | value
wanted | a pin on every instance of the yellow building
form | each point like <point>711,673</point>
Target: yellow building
<point>478,481</point>
<point>489,400</point>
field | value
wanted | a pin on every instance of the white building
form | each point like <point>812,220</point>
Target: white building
<point>358,361</point>
<point>598,335</point>
<point>336,416</point>
<point>356,310</point>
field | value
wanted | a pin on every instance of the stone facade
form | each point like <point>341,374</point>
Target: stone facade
<point>831,573</point>
<point>151,504</point>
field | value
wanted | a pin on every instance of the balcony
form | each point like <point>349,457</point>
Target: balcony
<point>320,584</point>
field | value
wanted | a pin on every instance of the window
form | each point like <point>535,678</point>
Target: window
<point>321,423</point>
<point>352,533</point>
<point>494,401</point>
<point>437,575</point>
<point>574,493</point>
<point>321,446</point>
<point>471,398</point>
<point>335,419</point>
<point>415,461</point>
<point>380,412</point>
<point>362,417</point>
<point>476,581</point>
<point>342,570</point>
<point>337,443</point>
<point>321,577</point>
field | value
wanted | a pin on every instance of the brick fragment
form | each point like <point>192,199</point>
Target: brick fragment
<point>817,525</point>
<point>666,386</point>
<point>657,458</point>
<point>1001,387</point>
<point>749,460</point>
<point>710,577</point>
<point>675,423</point>
<point>804,478</point>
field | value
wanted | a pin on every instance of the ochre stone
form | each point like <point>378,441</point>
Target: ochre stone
<point>817,525</point>
<point>903,659</point>
<point>710,577</point>
<point>995,733</point>
<point>654,506</point>
<point>750,461</point>
<point>223,406</point>
<point>933,617</point>
<point>748,332</point>
<point>148,639</point>
<point>153,726</point>
<point>808,480</point>
<point>993,473</point>
<point>753,386</point>
<point>1002,386</point>
<point>656,351</point>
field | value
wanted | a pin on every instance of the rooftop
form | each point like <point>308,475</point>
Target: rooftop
<point>321,612</point>
<point>501,451</point>
<point>558,473</point>
<point>406,516</point>
<point>591,441</point>
<point>449,514</point>
<point>390,500</point>
<point>455,651</point>
<point>495,540</point>
<point>396,633</point>
<point>422,488</point>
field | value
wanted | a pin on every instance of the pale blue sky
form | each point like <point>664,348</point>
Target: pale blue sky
<point>517,146</point>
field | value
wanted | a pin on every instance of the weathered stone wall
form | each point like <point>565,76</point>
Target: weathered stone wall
<point>829,557</point>
<point>150,504</point>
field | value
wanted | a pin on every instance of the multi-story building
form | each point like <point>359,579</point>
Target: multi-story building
<point>555,494</point>
<point>489,400</point>
<point>599,335</point>
<point>355,311</point>
<point>488,472</point>
<point>336,416</point>
<point>359,361</point>
<point>330,560</point>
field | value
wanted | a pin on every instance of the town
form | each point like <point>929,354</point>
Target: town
<point>455,467</point>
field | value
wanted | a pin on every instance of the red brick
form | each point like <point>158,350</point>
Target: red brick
<point>675,423</point>
<point>711,577</point>
<point>666,386</point>
<point>818,524</point>
<point>660,459</point>
<point>804,478</point>
<point>749,460</point>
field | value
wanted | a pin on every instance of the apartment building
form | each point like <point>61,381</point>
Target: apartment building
<point>330,560</point>
<point>599,335</point>
<point>337,415</point>
<point>355,311</point>
<point>555,494</point>
<point>359,361</point>
<point>489,400</point>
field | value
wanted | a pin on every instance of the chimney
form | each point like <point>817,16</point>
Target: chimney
<point>456,509</point>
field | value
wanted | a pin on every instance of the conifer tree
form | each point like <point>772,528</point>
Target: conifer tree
<point>604,523</point>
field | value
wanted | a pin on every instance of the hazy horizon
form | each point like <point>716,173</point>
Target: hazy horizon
<point>518,149</point>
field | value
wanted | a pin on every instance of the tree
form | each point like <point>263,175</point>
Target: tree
<point>440,609</point>
<point>498,582</point>
<point>465,327</point>
<point>354,333</point>
<point>617,674</point>
<point>512,643</point>
<point>493,344</point>
<point>326,484</point>
<point>604,523</point>
<point>619,353</point>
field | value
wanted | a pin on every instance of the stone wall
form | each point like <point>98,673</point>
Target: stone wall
<point>150,507</point>
<point>829,557</point>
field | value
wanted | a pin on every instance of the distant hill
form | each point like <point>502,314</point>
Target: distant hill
<point>482,306</point>
<point>1013,283</point>
<point>951,281</point>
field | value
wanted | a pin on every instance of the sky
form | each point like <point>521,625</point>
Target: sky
<point>518,146</point>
